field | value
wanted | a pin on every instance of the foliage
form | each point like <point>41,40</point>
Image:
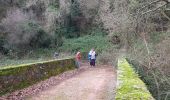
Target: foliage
<point>84,44</point>
<point>75,9</point>
<point>3,50</point>
<point>130,87</point>
<point>52,8</point>
<point>67,31</point>
<point>96,31</point>
<point>40,40</point>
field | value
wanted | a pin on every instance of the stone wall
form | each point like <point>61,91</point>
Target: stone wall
<point>18,77</point>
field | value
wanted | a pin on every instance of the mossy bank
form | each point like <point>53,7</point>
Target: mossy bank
<point>130,86</point>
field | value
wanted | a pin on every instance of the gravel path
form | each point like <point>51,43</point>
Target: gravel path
<point>93,84</point>
<point>83,84</point>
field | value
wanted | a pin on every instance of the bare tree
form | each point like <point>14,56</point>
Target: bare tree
<point>17,28</point>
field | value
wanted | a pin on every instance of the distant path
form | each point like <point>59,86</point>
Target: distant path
<point>92,84</point>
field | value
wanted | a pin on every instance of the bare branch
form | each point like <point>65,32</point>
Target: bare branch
<point>147,47</point>
<point>167,9</point>
<point>157,85</point>
<point>154,9</point>
<point>167,1</point>
<point>165,15</point>
<point>168,93</point>
<point>149,4</point>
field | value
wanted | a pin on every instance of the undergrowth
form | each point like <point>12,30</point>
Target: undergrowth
<point>32,56</point>
<point>86,43</point>
<point>153,63</point>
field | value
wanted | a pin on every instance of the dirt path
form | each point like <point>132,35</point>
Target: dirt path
<point>92,84</point>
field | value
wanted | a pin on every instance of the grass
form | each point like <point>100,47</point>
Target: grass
<point>33,56</point>
<point>11,62</point>
<point>130,86</point>
<point>31,62</point>
<point>85,43</point>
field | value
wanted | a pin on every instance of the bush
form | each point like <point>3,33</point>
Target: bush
<point>84,44</point>
<point>40,40</point>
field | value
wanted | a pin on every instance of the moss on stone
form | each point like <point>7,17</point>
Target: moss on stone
<point>130,86</point>
<point>18,77</point>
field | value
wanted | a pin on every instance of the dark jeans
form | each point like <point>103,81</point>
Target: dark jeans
<point>92,62</point>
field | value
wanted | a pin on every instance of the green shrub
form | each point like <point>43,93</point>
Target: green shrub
<point>53,8</point>
<point>40,40</point>
<point>84,44</point>
<point>75,9</point>
<point>96,31</point>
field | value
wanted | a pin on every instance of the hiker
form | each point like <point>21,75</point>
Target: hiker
<point>89,55</point>
<point>78,59</point>
<point>93,58</point>
<point>56,54</point>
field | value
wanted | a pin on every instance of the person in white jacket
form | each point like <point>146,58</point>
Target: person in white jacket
<point>89,54</point>
<point>93,58</point>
